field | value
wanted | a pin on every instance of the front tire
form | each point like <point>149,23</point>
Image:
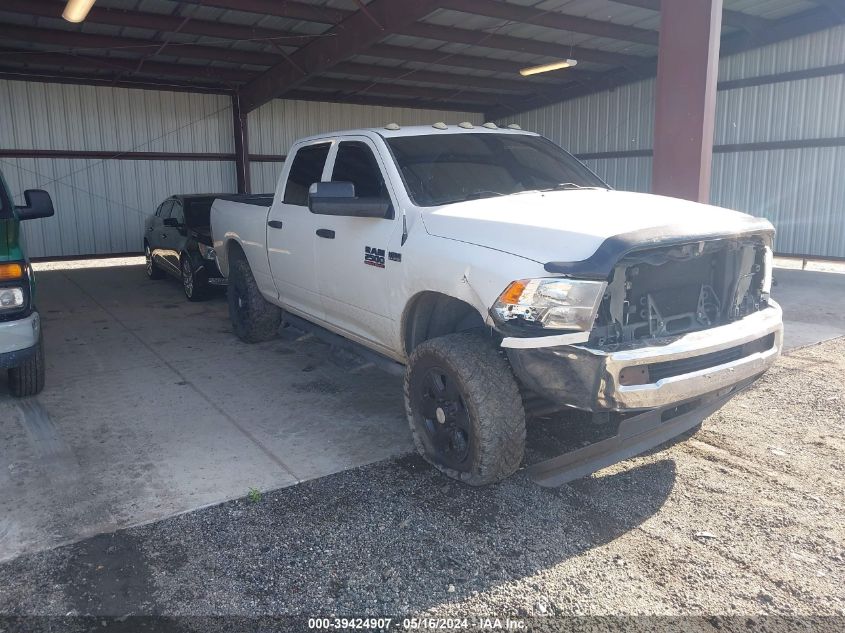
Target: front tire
<point>464,409</point>
<point>254,319</point>
<point>28,378</point>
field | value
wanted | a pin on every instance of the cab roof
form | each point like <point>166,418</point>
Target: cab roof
<point>416,130</point>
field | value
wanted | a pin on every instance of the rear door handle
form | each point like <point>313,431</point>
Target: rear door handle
<point>275,224</point>
<point>327,233</point>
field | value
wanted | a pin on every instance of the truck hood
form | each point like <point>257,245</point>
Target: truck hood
<point>572,224</point>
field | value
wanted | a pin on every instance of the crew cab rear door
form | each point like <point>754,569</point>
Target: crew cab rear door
<point>353,253</point>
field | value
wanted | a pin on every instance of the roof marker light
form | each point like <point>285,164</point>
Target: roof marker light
<point>514,126</point>
<point>392,127</point>
<point>440,126</point>
<point>466,125</point>
<point>490,125</point>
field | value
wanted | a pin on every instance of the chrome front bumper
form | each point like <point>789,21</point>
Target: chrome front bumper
<point>589,378</point>
<point>19,334</point>
<point>686,386</point>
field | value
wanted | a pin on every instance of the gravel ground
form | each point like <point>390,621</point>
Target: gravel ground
<point>745,518</point>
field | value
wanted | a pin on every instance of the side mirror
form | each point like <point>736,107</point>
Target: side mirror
<point>38,205</point>
<point>338,198</point>
<point>171,222</point>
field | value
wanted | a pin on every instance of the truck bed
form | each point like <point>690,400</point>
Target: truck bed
<point>244,218</point>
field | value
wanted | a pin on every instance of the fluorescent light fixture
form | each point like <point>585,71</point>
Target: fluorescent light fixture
<point>536,70</point>
<point>77,10</point>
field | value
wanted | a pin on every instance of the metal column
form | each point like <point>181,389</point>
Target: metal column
<point>241,145</point>
<point>685,103</point>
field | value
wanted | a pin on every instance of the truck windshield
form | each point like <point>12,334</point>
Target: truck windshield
<point>445,168</point>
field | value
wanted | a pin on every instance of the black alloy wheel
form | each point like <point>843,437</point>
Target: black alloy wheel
<point>444,423</point>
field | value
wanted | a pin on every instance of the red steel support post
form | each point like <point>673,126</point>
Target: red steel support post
<point>685,102</point>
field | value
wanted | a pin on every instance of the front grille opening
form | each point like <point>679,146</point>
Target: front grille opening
<point>671,290</point>
<point>654,372</point>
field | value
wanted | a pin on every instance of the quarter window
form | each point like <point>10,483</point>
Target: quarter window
<point>307,168</point>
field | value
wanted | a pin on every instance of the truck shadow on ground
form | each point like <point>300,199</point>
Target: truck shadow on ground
<point>390,538</point>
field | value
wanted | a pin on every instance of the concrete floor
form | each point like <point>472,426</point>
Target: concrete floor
<point>154,408</point>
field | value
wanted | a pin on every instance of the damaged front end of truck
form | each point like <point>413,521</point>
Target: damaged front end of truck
<point>684,322</point>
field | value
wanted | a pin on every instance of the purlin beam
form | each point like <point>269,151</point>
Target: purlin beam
<point>283,9</point>
<point>517,44</point>
<point>159,22</point>
<point>113,81</point>
<point>90,41</point>
<point>441,78</point>
<point>399,90</point>
<point>347,39</point>
<point>552,19</point>
<point>304,94</point>
<point>90,62</point>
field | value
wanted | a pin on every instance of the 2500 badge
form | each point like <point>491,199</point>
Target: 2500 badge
<point>374,256</point>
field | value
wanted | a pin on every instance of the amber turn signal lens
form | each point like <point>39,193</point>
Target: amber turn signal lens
<point>10,271</point>
<point>513,292</point>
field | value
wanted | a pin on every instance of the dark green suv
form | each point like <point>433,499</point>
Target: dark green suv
<point>21,347</point>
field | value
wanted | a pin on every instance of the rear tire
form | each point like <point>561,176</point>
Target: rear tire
<point>153,271</point>
<point>27,379</point>
<point>193,282</point>
<point>465,409</point>
<point>254,319</point>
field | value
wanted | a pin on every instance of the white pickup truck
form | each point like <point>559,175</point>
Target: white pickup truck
<point>508,279</point>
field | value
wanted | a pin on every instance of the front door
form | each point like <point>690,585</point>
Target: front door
<point>290,232</point>
<point>353,253</point>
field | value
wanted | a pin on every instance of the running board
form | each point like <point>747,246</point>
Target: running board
<point>636,435</point>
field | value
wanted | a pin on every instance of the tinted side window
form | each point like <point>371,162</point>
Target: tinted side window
<point>307,168</point>
<point>164,209</point>
<point>356,163</point>
<point>177,212</point>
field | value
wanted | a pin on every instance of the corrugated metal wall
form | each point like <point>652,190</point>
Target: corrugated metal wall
<point>276,125</point>
<point>802,191</point>
<point>101,203</point>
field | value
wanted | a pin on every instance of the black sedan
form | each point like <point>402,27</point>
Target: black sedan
<point>177,241</point>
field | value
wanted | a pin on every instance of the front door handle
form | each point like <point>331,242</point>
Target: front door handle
<point>150,230</point>
<point>327,233</point>
<point>164,235</point>
<point>275,224</point>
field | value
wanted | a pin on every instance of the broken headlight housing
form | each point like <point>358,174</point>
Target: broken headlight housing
<point>551,303</point>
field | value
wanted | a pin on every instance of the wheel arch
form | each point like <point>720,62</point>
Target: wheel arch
<point>430,314</point>
<point>231,246</point>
